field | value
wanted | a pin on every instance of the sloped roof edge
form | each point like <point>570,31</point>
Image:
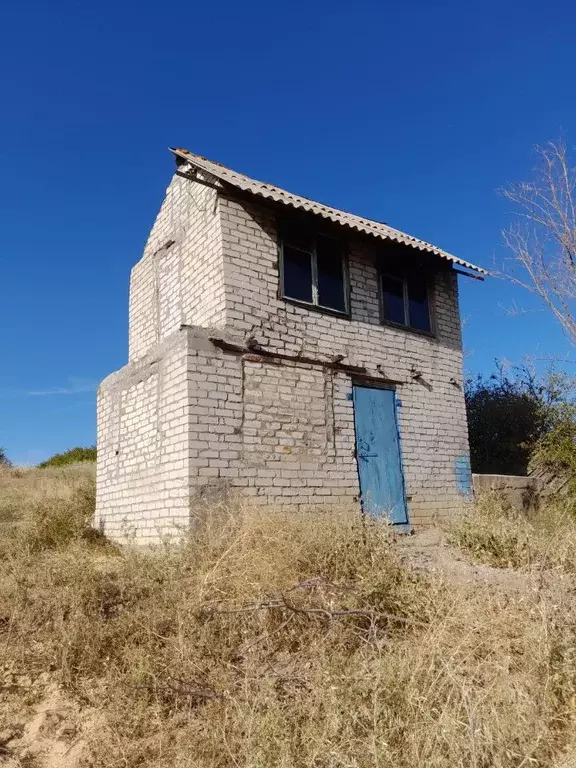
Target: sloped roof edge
<point>278,195</point>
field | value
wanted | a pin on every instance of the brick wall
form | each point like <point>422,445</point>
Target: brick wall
<point>281,433</point>
<point>187,420</point>
<point>142,479</point>
<point>180,277</point>
<point>432,412</point>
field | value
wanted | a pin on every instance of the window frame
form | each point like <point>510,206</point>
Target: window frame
<point>314,305</point>
<point>403,275</point>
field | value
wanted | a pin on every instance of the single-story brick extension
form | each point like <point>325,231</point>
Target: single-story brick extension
<point>287,352</point>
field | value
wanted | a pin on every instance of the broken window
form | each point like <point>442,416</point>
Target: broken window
<point>313,267</point>
<point>405,300</point>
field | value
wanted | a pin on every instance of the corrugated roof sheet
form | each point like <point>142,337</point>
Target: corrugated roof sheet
<point>271,192</point>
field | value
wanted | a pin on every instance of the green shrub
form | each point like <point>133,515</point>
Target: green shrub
<point>506,416</point>
<point>73,456</point>
<point>556,450</point>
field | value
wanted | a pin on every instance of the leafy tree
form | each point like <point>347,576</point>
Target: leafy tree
<point>507,414</point>
<point>4,460</point>
<point>555,450</point>
<point>72,456</point>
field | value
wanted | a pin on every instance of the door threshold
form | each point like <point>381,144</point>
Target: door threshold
<point>403,529</point>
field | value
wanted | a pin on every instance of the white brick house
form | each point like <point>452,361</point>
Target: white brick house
<point>286,351</point>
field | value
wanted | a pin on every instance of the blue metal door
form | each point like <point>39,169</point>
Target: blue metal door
<point>378,453</point>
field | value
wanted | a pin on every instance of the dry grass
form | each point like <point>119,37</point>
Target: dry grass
<point>22,490</point>
<point>503,536</point>
<point>282,641</point>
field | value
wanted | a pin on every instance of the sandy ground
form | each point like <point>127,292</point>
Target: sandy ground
<point>50,735</point>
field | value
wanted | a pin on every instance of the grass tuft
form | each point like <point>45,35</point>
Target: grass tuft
<point>501,535</point>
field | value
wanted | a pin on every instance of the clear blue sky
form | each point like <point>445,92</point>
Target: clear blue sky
<point>413,113</point>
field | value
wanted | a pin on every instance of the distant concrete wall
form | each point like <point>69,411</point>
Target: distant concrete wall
<point>523,492</point>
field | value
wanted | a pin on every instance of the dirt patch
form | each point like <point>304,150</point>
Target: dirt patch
<point>428,551</point>
<point>50,735</point>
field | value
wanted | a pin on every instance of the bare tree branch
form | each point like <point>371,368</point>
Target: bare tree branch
<point>282,603</point>
<point>543,241</point>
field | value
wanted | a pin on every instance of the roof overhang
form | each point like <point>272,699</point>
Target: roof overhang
<point>220,176</point>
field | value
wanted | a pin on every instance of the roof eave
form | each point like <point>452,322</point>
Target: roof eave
<point>184,156</point>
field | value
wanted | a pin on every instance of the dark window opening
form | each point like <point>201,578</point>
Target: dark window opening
<point>393,299</point>
<point>405,301</point>
<point>297,274</point>
<point>418,309</point>
<point>313,268</point>
<point>330,268</point>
